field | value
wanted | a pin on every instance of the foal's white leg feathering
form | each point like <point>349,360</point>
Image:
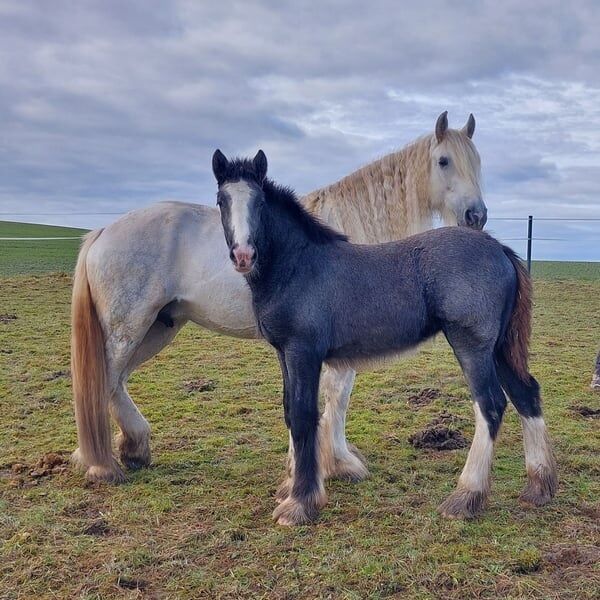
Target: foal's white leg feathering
<point>542,481</point>
<point>468,500</point>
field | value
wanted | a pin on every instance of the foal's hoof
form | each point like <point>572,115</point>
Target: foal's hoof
<point>291,512</point>
<point>134,454</point>
<point>463,504</point>
<point>541,487</point>
<point>105,474</point>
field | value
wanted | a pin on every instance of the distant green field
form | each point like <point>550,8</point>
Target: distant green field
<point>27,257</point>
<point>552,269</point>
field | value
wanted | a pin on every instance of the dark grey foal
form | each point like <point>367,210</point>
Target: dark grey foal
<point>317,298</point>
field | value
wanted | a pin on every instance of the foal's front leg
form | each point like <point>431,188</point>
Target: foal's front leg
<point>337,458</point>
<point>301,391</point>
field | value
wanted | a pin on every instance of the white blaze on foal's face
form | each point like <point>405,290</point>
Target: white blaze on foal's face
<point>242,253</point>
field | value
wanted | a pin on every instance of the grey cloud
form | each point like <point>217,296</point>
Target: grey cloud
<point>111,105</point>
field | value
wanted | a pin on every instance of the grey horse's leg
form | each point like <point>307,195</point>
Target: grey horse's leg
<point>133,442</point>
<point>337,458</point>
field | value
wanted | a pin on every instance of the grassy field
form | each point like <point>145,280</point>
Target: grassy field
<point>549,269</point>
<point>197,523</point>
<point>37,256</point>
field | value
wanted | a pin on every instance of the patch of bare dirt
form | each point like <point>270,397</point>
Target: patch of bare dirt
<point>586,412</point>
<point>7,318</point>
<point>199,385</point>
<point>438,437</point>
<point>424,397</point>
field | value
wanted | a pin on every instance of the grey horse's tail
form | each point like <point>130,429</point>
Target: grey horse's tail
<point>515,343</point>
<point>88,370</point>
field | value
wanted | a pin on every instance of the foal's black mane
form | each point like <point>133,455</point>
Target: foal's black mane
<point>285,198</point>
<point>313,227</point>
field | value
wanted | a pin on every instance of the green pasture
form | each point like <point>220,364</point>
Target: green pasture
<point>197,524</point>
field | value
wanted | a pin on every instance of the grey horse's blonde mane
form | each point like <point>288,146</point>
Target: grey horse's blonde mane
<point>389,198</point>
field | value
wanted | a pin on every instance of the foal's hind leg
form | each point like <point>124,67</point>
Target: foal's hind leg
<point>542,480</point>
<point>337,458</point>
<point>133,443</point>
<point>472,491</point>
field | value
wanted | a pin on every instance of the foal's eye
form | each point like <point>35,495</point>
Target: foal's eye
<point>443,162</point>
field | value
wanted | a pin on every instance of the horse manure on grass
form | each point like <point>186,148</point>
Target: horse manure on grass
<point>51,463</point>
<point>6,318</point>
<point>438,437</point>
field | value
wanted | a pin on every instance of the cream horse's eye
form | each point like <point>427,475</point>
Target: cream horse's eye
<point>443,162</point>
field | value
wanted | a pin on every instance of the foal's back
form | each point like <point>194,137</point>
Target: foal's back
<point>376,300</point>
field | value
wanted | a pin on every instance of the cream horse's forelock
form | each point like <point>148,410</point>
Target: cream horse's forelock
<point>466,158</point>
<point>390,198</point>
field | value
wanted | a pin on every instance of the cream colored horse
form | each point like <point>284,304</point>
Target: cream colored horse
<point>139,280</point>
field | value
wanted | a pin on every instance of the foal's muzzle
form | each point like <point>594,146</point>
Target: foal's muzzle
<point>243,258</point>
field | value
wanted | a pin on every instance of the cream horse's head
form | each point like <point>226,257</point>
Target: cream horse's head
<point>455,174</point>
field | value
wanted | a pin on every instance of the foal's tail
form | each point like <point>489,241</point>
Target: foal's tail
<point>514,346</point>
<point>88,370</point>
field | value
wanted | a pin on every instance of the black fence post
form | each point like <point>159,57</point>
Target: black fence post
<point>529,232</point>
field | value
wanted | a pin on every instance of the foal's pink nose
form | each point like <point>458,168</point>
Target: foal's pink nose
<point>243,258</point>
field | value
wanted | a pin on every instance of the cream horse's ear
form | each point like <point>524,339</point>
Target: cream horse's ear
<point>441,126</point>
<point>469,128</point>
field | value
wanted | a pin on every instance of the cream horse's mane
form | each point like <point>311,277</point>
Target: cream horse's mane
<point>389,198</point>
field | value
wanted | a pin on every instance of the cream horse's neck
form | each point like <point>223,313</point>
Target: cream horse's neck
<point>386,200</point>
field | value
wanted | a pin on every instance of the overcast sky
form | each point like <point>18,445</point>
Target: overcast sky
<point>110,105</point>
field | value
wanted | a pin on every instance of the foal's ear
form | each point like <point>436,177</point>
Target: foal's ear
<point>260,165</point>
<point>441,126</point>
<point>220,164</point>
<point>469,128</point>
